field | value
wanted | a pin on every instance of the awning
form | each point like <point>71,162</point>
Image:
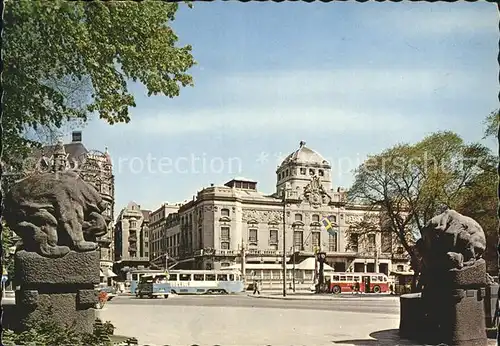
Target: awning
<point>101,273</point>
<point>111,274</point>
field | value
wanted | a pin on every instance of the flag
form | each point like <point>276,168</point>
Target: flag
<point>329,226</point>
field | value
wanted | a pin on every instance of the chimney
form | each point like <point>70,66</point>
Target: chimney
<point>76,136</point>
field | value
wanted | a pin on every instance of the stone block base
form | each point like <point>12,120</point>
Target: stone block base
<point>73,269</point>
<point>411,316</point>
<point>63,308</point>
<point>456,318</point>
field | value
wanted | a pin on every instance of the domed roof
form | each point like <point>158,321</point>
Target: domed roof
<point>304,155</point>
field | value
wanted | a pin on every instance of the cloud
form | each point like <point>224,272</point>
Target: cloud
<point>263,120</point>
<point>352,82</point>
<point>337,101</point>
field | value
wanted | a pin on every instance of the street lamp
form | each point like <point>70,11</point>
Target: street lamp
<point>285,190</point>
<point>293,270</point>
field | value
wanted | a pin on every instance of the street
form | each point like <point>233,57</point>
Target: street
<point>243,320</point>
<point>388,305</point>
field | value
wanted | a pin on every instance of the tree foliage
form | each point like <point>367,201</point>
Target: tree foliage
<point>492,122</point>
<point>67,60</point>
<point>411,183</point>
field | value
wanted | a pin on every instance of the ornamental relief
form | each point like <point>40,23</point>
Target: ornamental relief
<point>353,218</point>
<point>262,215</point>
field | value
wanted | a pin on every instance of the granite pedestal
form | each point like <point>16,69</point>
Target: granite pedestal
<point>58,288</point>
<point>450,310</point>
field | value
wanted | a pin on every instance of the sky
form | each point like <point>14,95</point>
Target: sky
<point>350,79</point>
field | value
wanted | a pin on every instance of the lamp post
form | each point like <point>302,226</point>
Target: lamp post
<point>285,190</point>
<point>284,242</point>
<point>293,270</point>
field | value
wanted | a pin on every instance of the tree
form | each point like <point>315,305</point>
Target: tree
<point>410,184</point>
<point>492,122</point>
<point>69,60</point>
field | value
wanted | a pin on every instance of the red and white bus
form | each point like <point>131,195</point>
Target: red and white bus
<point>368,282</point>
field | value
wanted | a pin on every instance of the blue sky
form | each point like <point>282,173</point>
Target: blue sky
<point>350,79</point>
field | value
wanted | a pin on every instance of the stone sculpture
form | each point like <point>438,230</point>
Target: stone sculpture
<point>53,213</point>
<point>58,217</point>
<point>457,237</point>
<point>450,309</point>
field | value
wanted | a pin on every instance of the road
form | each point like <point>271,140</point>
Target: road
<point>387,305</point>
<point>242,320</point>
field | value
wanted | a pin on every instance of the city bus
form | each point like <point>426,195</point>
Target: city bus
<point>368,282</point>
<point>135,277</point>
<point>205,281</point>
<point>153,286</point>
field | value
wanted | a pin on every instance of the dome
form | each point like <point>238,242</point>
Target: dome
<point>305,155</point>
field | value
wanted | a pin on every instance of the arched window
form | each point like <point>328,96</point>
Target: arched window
<point>298,217</point>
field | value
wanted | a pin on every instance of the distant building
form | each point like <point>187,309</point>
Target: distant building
<point>131,239</point>
<point>95,167</point>
<point>211,230</point>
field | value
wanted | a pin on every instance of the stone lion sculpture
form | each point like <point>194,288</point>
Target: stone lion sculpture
<point>454,239</point>
<point>54,213</point>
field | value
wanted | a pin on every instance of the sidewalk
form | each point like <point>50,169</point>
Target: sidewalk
<point>329,297</point>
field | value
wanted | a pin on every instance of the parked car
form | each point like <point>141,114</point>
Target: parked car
<point>111,291</point>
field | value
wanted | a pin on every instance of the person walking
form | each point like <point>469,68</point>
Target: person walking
<point>256,288</point>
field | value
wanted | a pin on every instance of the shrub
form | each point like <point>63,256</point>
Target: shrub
<point>49,333</point>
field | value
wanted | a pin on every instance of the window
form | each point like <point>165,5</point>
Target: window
<point>379,278</point>
<point>298,240</point>
<point>335,278</point>
<point>298,217</point>
<point>371,243</point>
<point>386,242</point>
<point>224,212</point>
<point>400,268</point>
<point>224,233</point>
<point>252,236</point>
<point>316,239</point>
<point>303,171</point>
<point>332,242</point>
<point>210,277</point>
<point>133,224</point>
<point>342,278</point>
<point>224,245</point>
<point>273,236</point>
<point>353,242</point>
<point>349,278</point>
<point>315,218</point>
<point>231,277</point>
<point>172,277</point>
<point>221,277</point>
<point>198,277</point>
<point>184,277</point>
<point>311,171</point>
<point>400,250</point>
<point>321,173</point>
<point>332,218</point>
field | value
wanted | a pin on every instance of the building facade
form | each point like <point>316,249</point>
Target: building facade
<point>162,219</point>
<point>225,225</point>
<point>95,167</point>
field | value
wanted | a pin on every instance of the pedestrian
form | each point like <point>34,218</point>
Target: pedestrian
<point>357,287</point>
<point>391,289</point>
<point>256,288</point>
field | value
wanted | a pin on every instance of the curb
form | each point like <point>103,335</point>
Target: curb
<point>319,298</point>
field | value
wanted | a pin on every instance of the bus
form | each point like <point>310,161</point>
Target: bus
<point>134,277</point>
<point>368,282</point>
<point>153,286</point>
<point>205,281</point>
